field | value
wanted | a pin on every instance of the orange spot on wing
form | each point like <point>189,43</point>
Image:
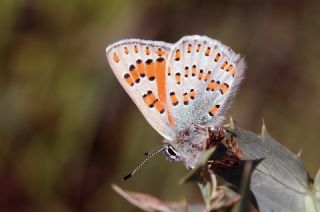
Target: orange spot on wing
<point>177,55</point>
<point>206,78</point>
<point>147,50</point>
<point>234,72</point>
<point>149,99</point>
<point>224,88</point>
<point>152,96</point>
<point>189,48</point>
<point>214,110</point>
<point>194,70</point>
<point>174,99</point>
<point>136,50</point>
<point>207,53</point>
<point>134,73</point>
<point>212,85</point>
<point>178,78</point>
<point>216,59</point>
<point>141,68</point>
<point>160,52</point>
<point>126,50</point>
<point>200,74</point>
<point>224,65</point>
<point>128,79</point>
<point>192,94</point>
<point>150,69</point>
<point>185,99</point>
<point>230,67</point>
<point>116,58</point>
<point>186,71</point>
<point>159,106</point>
<point>198,47</point>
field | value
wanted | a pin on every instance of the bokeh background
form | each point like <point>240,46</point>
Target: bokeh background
<point>67,128</point>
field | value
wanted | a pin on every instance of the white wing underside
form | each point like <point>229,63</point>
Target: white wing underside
<point>155,119</point>
<point>196,112</point>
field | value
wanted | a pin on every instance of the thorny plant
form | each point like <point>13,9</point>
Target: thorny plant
<point>261,175</point>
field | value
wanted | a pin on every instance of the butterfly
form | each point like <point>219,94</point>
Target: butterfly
<point>182,89</point>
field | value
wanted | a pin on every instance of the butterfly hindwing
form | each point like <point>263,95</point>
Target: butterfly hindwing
<point>202,76</point>
<point>140,66</point>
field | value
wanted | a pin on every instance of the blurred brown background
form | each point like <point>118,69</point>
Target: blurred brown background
<point>67,128</point>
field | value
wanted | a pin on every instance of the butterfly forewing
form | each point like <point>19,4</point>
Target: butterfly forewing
<point>140,66</point>
<point>202,76</point>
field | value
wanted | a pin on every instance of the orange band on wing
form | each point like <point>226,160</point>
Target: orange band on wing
<point>170,119</point>
<point>160,71</point>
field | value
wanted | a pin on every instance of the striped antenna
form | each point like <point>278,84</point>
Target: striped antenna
<point>153,153</point>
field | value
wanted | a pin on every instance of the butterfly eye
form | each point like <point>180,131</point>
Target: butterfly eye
<point>172,154</point>
<point>171,151</point>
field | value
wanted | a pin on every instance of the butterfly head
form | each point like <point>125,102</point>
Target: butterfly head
<point>188,147</point>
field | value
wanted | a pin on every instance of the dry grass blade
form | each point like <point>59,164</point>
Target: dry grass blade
<point>147,202</point>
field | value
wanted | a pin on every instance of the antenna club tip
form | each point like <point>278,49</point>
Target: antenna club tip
<point>127,177</point>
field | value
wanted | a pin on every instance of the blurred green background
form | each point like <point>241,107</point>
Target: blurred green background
<point>67,128</point>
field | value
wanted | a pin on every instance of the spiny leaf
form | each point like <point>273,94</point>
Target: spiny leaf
<point>279,181</point>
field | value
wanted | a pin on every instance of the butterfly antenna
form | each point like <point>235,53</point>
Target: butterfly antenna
<point>153,153</point>
<point>153,150</point>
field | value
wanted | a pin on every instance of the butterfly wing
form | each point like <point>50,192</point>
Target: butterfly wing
<point>140,67</point>
<point>202,77</point>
